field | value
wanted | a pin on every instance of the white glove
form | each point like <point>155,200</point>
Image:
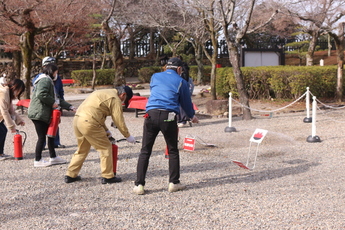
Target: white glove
<point>72,108</point>
<point>131,139</point>
<point>109,134</point>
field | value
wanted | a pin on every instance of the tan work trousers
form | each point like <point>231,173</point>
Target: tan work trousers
<point>90,133</point>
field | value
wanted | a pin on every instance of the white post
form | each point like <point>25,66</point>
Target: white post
<point>308,103</point>
<point>230,109</point>
<point>307,119</point>
<point>313,125</point>
<point>313,138</point>
<point>229,128</point>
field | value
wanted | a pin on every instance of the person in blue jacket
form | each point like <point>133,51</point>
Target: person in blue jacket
<point>168,92</point>
<point>60,94</point>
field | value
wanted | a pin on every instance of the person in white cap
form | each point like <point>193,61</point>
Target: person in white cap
<point>43,101</point>
<point>59,91</point>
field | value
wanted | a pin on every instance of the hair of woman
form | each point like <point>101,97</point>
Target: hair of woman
<point>17,87</point>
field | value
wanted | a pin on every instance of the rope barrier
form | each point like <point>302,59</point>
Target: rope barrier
<point>311,138</point>
<point>271,111</point>
<point>328,106</point>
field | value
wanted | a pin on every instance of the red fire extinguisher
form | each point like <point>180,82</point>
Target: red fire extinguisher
<point>18,145</point>
<point>115,151</point>
<point>54,123</point>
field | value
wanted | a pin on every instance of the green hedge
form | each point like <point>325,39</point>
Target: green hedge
<point>265,82</point>
<point>145,73</point>
<point>84,77</point>
<point>286,82</point>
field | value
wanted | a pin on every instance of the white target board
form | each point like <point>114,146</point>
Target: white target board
<point>258,136</point>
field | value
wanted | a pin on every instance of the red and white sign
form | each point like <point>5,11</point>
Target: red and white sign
<point>189,144</point>
<point>258,135</point>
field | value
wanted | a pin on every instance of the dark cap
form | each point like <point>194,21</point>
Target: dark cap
<point>129,92</point>
<point>174,63</point>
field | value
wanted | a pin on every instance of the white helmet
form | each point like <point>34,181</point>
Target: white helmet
<point>48,60</point>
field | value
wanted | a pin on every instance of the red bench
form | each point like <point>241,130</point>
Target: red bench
<point>140,105</point>
<point>67,81</point>
<point>23,103</point>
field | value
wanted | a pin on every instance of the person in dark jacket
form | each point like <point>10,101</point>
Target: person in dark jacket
<point>43,101</point>
<point>168,92</point>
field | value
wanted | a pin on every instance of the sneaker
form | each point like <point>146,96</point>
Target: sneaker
<point>69,179</point>
<point>111,180</point>
<point>180,125</point>
<point>57,160</point>
<point>60,146</point>
<point>175,187</point>
<point>42,163</point>
<point>139,190</point>
<point>4,157</point>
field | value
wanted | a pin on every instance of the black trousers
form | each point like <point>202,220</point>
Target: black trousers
<point>41,130</point>
<point>3,133</point>
<point>155,122</point>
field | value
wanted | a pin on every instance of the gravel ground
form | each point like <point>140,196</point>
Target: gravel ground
<point>295,184</point>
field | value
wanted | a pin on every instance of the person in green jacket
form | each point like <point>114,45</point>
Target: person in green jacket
<point>43,101</point>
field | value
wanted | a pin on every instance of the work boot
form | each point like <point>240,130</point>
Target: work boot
<point>111,180</point>
<point>69,179</point>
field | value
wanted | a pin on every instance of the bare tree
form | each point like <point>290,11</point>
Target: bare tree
<point>115,26</point>
<point>339,43</point>
<point>313,15</point>
<point>235,17</point>
<point>27,19</point>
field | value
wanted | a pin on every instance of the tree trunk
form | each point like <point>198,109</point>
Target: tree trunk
<point>93,68</point>
<point>119,64</point>
<point>213,79</point>
<point>339,43</point>
<point>131,44</point>
<point>105,47</point>
<point>17,60</point>
<point>340,79</point>
<point>329,45</point>
<point>26,46</point>
<point>117,57</point>
<point>311,49</point>
<point>198,60</point>
<point>244,97</point>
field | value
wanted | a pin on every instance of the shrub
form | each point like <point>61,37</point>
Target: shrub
<point>287,82</point>
<point>145,73</point>
<point>84,77</point>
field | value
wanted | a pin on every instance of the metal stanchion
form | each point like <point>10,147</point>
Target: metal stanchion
<point>307,119</point>
<point>313,137</point>
<point>229,128</point>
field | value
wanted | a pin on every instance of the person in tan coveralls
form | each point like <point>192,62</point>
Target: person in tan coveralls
<point>90,130</point>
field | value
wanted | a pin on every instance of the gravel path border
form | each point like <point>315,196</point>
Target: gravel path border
<point>295,184</point>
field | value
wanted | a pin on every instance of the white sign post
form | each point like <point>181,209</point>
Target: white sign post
<point>257,137</point>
